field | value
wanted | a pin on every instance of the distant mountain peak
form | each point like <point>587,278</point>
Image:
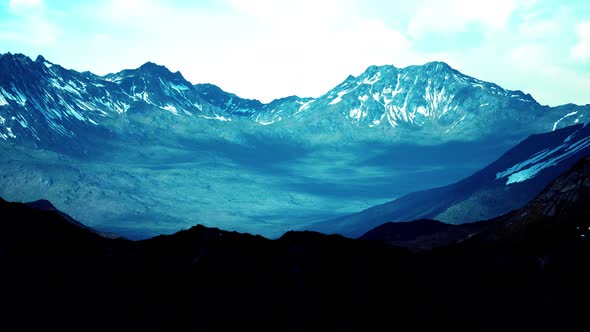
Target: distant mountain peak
<point>40,58</point>
<point>153,69</point>
<point>374,68</point>
<point>441,65</point>
<point>15,58</point>
<point>152,66</point>
<point>13,55</point>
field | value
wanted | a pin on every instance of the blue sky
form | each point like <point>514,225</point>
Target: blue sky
<point>267,49</point>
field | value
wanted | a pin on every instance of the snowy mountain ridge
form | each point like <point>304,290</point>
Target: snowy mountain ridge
<point>40,99</point>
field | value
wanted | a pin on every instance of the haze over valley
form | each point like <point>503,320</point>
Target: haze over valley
<point>153,153</point>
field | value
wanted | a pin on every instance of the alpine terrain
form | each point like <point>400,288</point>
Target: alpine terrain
<point>153,153</point>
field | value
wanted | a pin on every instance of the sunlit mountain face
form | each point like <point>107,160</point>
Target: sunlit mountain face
<point>153,153</point>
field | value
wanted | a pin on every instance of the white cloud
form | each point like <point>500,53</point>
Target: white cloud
<point>290,10</point>
<point>581,51</point>
<point>538,29</point>
<point>533,55</point>
<point>310,46</point>
<point>526,52</point>
<point>256,49</point>
<point>24,4</point>
<point>268,49</point>
<point>30,24</point>
<point>41,32</point>
<point>455,15</point>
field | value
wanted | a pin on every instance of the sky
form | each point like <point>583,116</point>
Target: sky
<point>267,49</point>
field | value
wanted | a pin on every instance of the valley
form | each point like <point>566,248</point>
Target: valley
<point>154,153</point>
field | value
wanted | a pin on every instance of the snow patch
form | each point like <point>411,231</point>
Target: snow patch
<point>20,97</point>
<point>84,105</point>
<point>216,117</point>
<point>542,160</point>
<point>117,79</point>
<point>524,175</point>
<point>266,123</point>
<point>355,113</point>
<point>145,96</point>
<point>391,120</point>
<point>304,106</point>
<point>433,97</point>
<point>122,107</point>
<point>64,87</point>
<point>9,131</point>
<point>3,101</point>
<point>374,79</point>
<point>455,123</point>
<point>397,89</point>
<point>339,98</point>
<point>6,94</point>
<point>422,110</point>
<point>375,122</point>
<point>565,116</point>
<point>23,123</point>
<point>73,112</point>
<point>178,87</point>
<point>170,109</point>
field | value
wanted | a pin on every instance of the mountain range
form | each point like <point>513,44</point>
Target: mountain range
<point>154,153</point>
<point>42,102</point>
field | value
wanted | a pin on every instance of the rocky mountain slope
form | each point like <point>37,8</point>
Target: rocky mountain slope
<point>506,184</point>
<point>559,213</point>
